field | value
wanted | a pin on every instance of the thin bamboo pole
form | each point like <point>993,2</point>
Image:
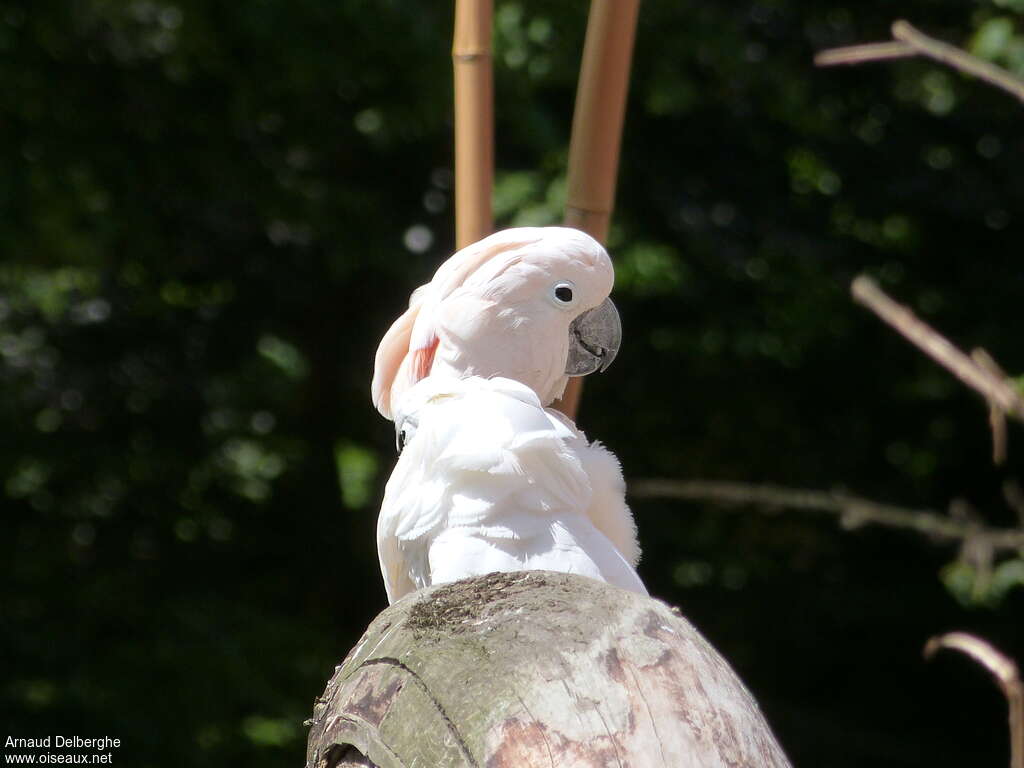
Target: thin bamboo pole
<point>474,120</point>
<point>597,120</point>
<point>597,131</point>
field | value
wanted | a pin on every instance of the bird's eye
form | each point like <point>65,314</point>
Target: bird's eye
<point>563,293</point>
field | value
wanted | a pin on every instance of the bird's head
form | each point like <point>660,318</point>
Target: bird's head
<point>530,304</point>
<point>553,288</point>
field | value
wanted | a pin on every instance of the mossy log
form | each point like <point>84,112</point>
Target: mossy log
<point>536,669</point>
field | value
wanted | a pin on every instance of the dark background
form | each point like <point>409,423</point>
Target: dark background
<point>211,211</point>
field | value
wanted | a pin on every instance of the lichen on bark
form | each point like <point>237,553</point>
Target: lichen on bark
<point>536,668</point>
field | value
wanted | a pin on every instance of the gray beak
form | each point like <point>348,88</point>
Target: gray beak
<point>594,339</point>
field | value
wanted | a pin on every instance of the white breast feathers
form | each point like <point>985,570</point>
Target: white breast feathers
<point>491,481</point>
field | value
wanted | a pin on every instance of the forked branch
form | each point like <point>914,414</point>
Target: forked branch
<point>997,390</point>
<point>909,41</point>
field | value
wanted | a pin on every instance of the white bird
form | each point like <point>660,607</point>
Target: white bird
<point>489,480</point>
<point>529,304</point>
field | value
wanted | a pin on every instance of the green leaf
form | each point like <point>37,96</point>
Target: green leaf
<point>284,355</point>
<point>513,190</point>
<point>992,38</point>
<point>1007,576</point>
<point>973,588</point>
<point>960,579</point>
<point>357,469</point>
<point>269,731</point>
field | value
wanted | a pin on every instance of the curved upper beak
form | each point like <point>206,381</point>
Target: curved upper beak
<point>594,339</point>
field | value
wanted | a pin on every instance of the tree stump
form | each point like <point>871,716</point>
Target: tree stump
<point>536,669</point>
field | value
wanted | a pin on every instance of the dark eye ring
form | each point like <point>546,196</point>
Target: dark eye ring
<point>563,293</point>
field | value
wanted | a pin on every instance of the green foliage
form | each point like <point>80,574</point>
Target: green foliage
<point>357,471</point>
<point>645,268</point>
<point>1000,38</point>
<point>272,732</point>
<point>286,356</point>
<point>975,587</point>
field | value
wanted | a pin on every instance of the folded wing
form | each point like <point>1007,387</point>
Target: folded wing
<point>493,482</point>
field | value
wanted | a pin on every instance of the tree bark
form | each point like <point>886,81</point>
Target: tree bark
<point>536,669</point>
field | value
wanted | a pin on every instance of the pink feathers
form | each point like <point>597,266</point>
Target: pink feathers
<point>406,353</point>
<point>390,355</point>
<point>490,310</point>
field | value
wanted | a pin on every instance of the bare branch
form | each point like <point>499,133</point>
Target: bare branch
<point>998,390</point>
<point>909,41</point>
<point>996,415</point>
<point>958,59</point>
<point>1003,669</point>
<point>859,54</point>
<point>852,511</point>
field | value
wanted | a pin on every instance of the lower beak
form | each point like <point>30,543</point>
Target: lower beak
<point>594,339</point>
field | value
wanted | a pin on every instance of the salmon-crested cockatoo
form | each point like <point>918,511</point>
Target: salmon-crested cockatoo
<point>489,480</point>
<point>530,304</point>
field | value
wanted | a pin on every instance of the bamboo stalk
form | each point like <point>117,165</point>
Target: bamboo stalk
<point>597,120</point>
<point>597,131</point>
<point>474,120</point>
